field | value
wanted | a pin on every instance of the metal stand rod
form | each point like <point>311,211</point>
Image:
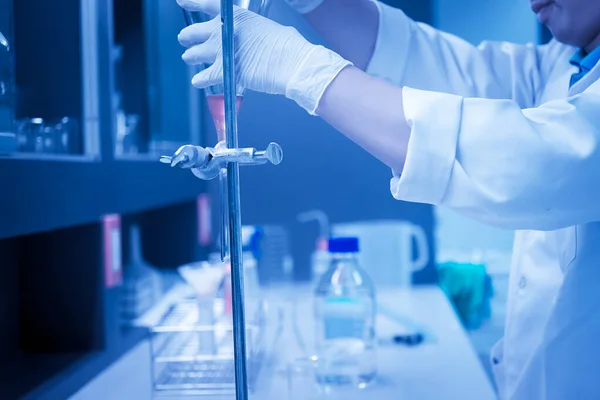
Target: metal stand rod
<point>235,222</point>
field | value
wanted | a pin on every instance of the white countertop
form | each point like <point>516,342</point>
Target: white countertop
<point>444,367</point>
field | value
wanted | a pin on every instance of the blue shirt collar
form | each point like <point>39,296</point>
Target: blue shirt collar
<point>584,61</point>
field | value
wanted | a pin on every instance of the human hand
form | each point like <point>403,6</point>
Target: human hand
<point>268,58</point>
<point>304,6</point>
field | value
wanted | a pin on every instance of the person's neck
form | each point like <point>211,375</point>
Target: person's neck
<point>593,45</point>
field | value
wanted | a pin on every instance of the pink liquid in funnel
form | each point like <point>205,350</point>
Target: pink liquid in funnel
<point>216,106</point>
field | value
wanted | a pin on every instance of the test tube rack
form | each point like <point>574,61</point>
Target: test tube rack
<point>180,364</point>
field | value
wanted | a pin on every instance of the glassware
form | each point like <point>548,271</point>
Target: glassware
<point>48,139</point>
<point>22,135</point>
<point>6,86</point>
<point>67,136</point>
<point>320,256</point>
<point>293,364</point>
<point>130,140</point>
<point>142,284</point>
<point>345,319</point>
<point>216,104</point>
<point>35,135</point>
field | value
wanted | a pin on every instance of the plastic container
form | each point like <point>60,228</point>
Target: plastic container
<point>320,256</point>
<point>345,311</point>
<point>320,260</point>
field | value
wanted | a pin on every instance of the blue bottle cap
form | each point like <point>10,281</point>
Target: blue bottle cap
<point>343,245</point>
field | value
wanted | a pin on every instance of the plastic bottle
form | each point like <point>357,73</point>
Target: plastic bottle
<point>320,260</point>
<point>345,311</point>
<point>320,256</point>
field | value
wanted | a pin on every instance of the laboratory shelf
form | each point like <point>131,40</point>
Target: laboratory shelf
<point>82,158</point>
<point>45,195</point>
<point>103,50</point>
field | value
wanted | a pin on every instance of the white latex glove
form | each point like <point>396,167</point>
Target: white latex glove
<point>269,57</point>
<point>304,6</point>
<point>301,6</point>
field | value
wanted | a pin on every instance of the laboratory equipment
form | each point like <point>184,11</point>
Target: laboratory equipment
<point>345,311</point>
<point>207,163</point>
<point>142,284</point>
<point>32,131</point>
<point>268,247</point>
<point>36,135</point>
<point>6,87</point>
<point>183,365</point>
<point>320,256</point>
<point>295,370</point>
<point>48,140</point>
<point>8,139</point>
<point>387,249</point>
<point>215,98</point>
<point>205,279</point>
<point>68,136</point>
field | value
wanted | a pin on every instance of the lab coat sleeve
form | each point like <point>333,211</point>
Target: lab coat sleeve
<point>408,53</point>
<point>536,168</point>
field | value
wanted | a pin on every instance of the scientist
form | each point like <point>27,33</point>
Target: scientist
<point>505,134</point>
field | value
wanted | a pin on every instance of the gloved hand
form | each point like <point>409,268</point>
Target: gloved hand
<point>269,57</point>
<point>212,8</point>
<point>304,6</point>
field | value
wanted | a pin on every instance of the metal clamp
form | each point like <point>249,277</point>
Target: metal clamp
<point>205,163</point>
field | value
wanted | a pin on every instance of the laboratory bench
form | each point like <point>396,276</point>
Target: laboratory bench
<point>443,366</point>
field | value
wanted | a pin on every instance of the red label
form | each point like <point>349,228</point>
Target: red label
<point>204,222</point>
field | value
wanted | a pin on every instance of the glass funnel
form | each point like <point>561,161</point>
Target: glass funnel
<point>215,100</point>
<point>215,94</point>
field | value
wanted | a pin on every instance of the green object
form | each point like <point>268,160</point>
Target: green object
<point>469,288</point>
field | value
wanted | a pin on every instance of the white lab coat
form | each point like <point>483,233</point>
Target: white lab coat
<point>505,141</point>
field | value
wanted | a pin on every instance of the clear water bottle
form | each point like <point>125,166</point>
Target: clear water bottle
<point>345,311</point>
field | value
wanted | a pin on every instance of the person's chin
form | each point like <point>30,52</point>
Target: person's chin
<point>564,36</point>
